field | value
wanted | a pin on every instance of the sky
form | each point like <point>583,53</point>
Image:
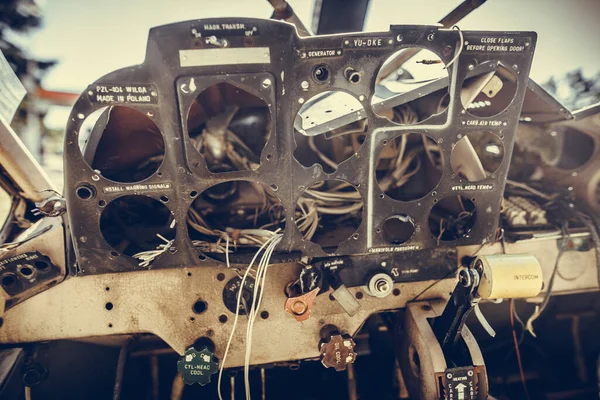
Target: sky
<point>90,38</point>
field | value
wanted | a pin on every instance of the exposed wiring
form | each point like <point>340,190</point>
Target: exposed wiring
<point>460,47</point>
<point>147,257</point>
<point>539,309</point>
<point>237,313</point>
<point>517,350</point>
<point>261,275</point>
<point>531,190</point>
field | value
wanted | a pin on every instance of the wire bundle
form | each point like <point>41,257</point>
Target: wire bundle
<point>333,201</point>
<point>261,275</point>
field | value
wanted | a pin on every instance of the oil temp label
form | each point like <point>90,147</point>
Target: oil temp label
<point>482,187</point>
<point>393,249</point>
<point>225,29</point>
<point>123,94</point>
<point>137,187</point>
<point>497,44</point>
<point>368,42</point>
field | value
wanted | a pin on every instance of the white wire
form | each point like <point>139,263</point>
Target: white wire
<point>147,257</point>
<point>237,314</point>
<point>261,276</point>
<point>460,48</point>
<point>227,252</point>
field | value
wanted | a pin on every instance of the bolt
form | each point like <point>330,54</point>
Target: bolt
<point>266,83</point>
<point>449,376</point>
<point>304,85</point>
<point>471,66</point>
<point>470,373</point>
<point>431,37</point>
<point>95,178</point>
<point>399,38</point>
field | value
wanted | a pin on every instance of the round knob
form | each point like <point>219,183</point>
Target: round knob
<point>198,366</point>
<point>338,352</point>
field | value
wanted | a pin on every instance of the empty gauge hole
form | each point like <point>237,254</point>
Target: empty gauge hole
<point>223,318</point>
<point>229,126</point>
<point>246,211</point>
<point>122,143</point>
<point>452,218</point>
<point>487,93</point>
<point>398,229</point>
<point>132,224</point>
<point>477,156</point>
<point>409,167</point>
<point>329,128</point>
<point>109,306</point>
<point>419,78</point>
<point>328,213</point>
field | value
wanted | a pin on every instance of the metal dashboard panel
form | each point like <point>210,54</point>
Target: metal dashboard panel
<point>267,58</point>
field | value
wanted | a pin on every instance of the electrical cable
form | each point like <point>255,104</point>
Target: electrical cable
<point>539,309</point>
<point>261,276</point>
<point>121,368</point>
<point>516,342</point>
<point>237,313</point>
<point>460,48</point>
